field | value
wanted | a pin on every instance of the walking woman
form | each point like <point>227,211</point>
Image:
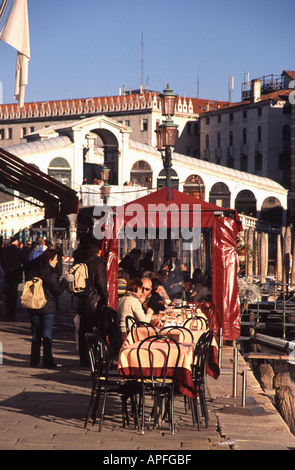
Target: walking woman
<point>42,320</point>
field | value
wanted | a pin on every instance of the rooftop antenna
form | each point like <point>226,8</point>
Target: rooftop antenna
<point>230,86</point>
<point>141,60</point>
<point>198,81</point>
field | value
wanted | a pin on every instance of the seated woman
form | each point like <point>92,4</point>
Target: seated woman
<point>129,304</point>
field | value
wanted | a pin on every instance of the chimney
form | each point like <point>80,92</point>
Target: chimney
<point>255,90</point>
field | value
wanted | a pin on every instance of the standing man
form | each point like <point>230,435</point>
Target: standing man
<point>89,306</point>
<point>12,262</point>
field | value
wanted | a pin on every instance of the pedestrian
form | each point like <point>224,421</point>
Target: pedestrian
<point>90,305</point>
<point>42,320</point>
<point>12,262</point>
<point>37,249</point>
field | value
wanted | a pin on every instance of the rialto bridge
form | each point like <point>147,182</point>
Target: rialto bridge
<point>74,154</point>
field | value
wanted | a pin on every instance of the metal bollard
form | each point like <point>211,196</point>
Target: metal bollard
<point>235,372</point>
<point>220,348</point>
<point>244,387</point>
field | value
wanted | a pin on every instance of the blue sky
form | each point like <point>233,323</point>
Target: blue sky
<point>93,47</point>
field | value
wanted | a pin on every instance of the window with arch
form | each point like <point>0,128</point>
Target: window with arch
<point>141,173</point>
<point>161,180</point>
<point>258,161</point>
<point>244,162</point>
<point>60,169</point>
<point>218,140</point>
<point>230,139</point>
<point>194,185</point>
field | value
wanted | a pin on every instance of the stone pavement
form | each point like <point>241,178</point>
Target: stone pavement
<point>44,409</point>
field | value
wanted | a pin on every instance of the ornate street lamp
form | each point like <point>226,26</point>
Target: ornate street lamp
<point>167,131</point>
<point>168,100</point>
<point>105,188</point>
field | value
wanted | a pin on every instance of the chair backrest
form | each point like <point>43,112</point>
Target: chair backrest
<point>108,329</point>
<point>98,355</point>
<point>185,335</point>
<point>152,370</point>
<point>208,308</point>
<point>129,320</point>
<point>199,321</point>
<point>149,330</point>
<point>201,355</point>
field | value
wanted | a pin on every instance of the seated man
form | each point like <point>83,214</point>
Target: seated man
<point>156,302</point>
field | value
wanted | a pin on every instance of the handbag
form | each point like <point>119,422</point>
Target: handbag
<point>33,296</point>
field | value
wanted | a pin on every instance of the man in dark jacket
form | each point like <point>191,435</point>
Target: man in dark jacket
<point>12,262</point>
<point>90,305</point>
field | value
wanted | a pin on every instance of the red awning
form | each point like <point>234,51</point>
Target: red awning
<point>225,224</point>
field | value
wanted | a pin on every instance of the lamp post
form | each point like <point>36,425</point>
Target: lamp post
<point>105,189</point>
<point>167,131</point>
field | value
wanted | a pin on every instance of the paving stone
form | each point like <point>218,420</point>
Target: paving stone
<point>45,410</point>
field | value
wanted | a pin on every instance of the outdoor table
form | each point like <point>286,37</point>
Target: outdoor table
<point>176,316</point>
<point>213,362</point>
<point>128,363</point>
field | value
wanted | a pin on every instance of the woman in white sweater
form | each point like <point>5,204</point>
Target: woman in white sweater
<point>129,304</point>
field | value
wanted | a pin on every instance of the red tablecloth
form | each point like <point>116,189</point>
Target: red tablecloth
<point>128,363</point>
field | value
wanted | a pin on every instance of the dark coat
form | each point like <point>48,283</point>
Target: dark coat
<point>51,286</point>
<point>12,261</point>
<point>98,295</point>
<point>128,264</point>
<point>155,302</point>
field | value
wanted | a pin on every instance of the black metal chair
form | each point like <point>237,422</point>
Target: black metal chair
<point>157,384</point>
<point>208,309</point>
<point>200,321</point>
<point>129,320</point>
<point>185,333</point>
<point>106,382</point>
<point>199,376</point>
<point>150,330</point>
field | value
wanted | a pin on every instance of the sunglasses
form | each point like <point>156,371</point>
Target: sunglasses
<point>146,288</point>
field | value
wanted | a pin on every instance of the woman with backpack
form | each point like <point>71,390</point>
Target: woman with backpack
<point>42,319</point>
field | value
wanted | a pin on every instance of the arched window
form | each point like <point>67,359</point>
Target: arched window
<point>220,195</point>
<point>60,169</point>
<point>218,140</point>
<point>141,173</point>
<point>194,185</point>
<point>244,162</point>
<point>245,203</point>
<point>161,180</point>
<point>230,139</point>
